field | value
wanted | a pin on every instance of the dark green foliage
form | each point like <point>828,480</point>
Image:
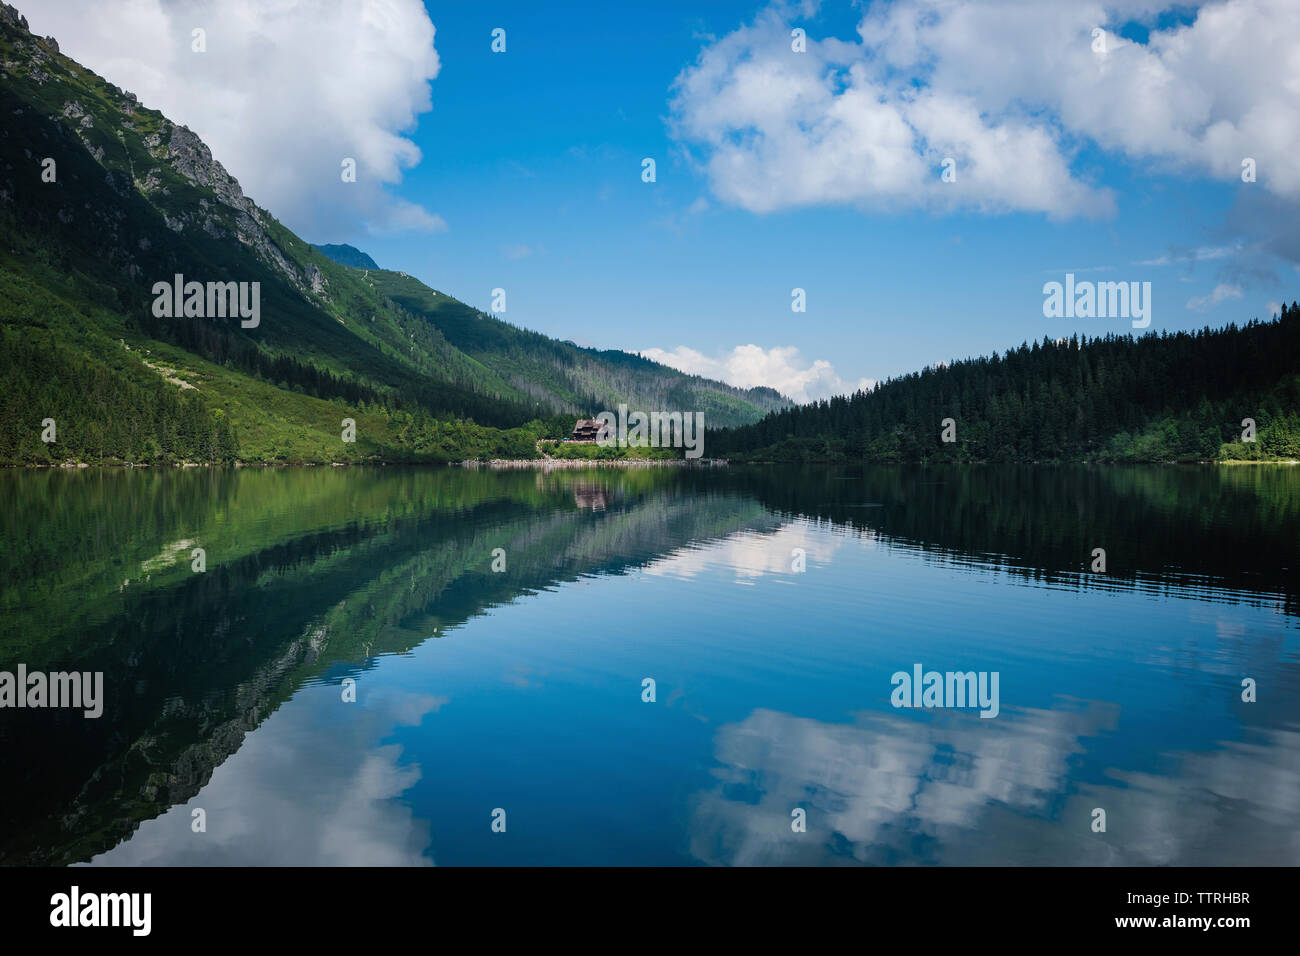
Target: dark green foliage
<point>563,376</point>
<point>1161,397</point>
<point>99,413</point>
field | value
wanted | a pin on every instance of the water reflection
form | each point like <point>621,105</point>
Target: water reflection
<point>592,495</point>
<point>223,685</point>
<point>889,791</point>
<point>288,793</point>
<point>885,789</point>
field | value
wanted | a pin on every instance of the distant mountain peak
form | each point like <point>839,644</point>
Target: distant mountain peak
<point>346,255</point>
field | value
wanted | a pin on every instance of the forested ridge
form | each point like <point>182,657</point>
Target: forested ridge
<point>102,198</point>
<point>1178,396</point>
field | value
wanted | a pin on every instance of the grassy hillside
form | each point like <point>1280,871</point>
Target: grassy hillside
<point>563,375</point>
<point>101,198</point>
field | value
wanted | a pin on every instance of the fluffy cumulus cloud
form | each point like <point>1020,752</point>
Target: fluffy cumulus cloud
<point>748,366</point>
<point>285,91</point>
<point>1009,90</point>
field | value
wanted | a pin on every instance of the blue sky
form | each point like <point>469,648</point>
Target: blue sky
<point>533,158</point>
<point>772,176</point>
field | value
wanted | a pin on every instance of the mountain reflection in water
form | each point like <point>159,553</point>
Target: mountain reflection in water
<point>522,688</point>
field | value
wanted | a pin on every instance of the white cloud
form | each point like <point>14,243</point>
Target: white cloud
<point>748,366</point>
<point>1221,293</point>
<point>1009,90</point>
<point>285,91</point>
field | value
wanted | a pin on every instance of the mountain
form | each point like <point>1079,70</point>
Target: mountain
<point>564,375</point>
<point>104,203</point>
<point>346,255</point>
<point>561,375</point>
<point>1162,397</point>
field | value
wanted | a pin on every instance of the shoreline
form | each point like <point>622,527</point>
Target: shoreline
<point>547,464</point>
<point>561,463</point>
<point>841,462</point>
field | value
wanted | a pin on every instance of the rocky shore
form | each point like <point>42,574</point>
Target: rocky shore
<point>548,464</point>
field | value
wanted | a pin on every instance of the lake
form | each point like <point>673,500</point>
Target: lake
<point>655,666</point>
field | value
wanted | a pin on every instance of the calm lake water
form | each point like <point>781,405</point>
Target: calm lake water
<point>521,689</point>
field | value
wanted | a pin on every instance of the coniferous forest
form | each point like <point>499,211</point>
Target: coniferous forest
<point>1160,397</point>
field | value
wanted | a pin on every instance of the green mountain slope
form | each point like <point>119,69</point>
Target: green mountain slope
<point>565,376</point>
<point>102,198</point>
